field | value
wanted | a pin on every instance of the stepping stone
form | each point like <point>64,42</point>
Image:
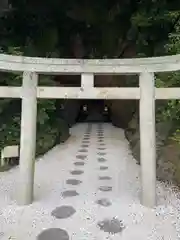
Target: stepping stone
<point>79,163</point>
<point>69,193</point>
<point>101,153</point>
<point>53,234</point>
<point>77,172</point>
<point>104,202</point>
<point>101,148</point>
<point>105,188</point>
<point>102,160</point>
<point>100,140</point>
<point>85,141</point>
<point>112,226</point>
<point>82,157</point>
<point>105,178</point>
<point>83,150</point>
<point>73,181</point>
<point>84,145</point>
<point>63,212</point>
<point>102,144</point>
<point>103,167</point>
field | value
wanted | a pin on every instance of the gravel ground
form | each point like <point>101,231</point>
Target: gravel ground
<point>88,189</point>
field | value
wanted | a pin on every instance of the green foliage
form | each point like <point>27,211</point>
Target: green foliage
<point>176,136</point>
<point>47,129</point>
<point>171,110</point>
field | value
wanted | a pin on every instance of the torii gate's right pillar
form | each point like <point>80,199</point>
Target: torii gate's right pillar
<point>147,139</point>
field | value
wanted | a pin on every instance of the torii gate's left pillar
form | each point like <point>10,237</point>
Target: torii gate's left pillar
<point>28,137</point>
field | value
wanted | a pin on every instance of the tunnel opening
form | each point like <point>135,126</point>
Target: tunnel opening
<point>94,111</point>
<point>117,112</point>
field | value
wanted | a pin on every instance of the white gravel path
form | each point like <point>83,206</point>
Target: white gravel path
<point>52,171</point>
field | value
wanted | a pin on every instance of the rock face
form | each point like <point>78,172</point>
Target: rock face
<point>167,151</point>
<point>70,110</point>
<point>121,110</point>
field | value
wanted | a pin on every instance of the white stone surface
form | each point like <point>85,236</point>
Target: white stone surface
<point>52,171</point>
<point>28,138</point>
<point>94,93</point>
<point>99,66</point>
<point>147,139</point>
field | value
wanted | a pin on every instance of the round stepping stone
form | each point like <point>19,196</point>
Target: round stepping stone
<point>84,145</point>
<point>105,178</point>
<point>79,163</point>
<point>83,150</point>
<point>77,172</point>
<point>112,226</point>
<point>101,153</point>
<point>53,234</point>
<point>102,144</point>
<point>102,160</point>
<point>82,157</point>
<point>73,181</point>
<point>103,167</point>
<point>63,212</point>
<point>105,188</point>
<point>85,141</point>
<point>69,193</point>
<point>104,202</point>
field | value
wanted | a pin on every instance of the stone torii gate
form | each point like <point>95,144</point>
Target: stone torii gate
<point>146,93</point>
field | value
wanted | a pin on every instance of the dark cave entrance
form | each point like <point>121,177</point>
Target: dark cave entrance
<point>94,111</point>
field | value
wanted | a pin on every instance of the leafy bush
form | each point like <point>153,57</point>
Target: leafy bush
<point>171,110</point>
<point>48,127</point>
